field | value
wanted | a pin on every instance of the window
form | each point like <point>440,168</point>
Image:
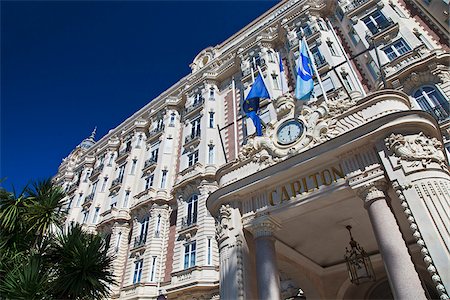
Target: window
<point>211,119</point>
<point>121,172</point>
<point>191,217</point>
<point>152,272</point>
<point>80,196</point>
<point>270,56</point>
<point>331,48</point>
<point>432,101</point>
<point>105,180</point>
<point>126,199</point>
<point>189,255</point>
<point>339,13</point>
<point>94,187</point>
<point>347,81</point>
<point>149,181</point>
<point>113,201</point>
<point>128,146</point>
<point>209,251</point>
<point>138,270</point>
<point>192,158</point>
<point>133,166</point>
<point>396,49</point>
<point>306,30</point>
<point>95,218</point>
<point>158,226</point>
<point>111,157</point>
<point>198,99</point>
<point>275,81</point>
<point>256,61</point>
<point>172,120</point>
<point>143,231</point>
<point>212,93</point>
<point>160,124</point>
<point>354,36</point>
<point>118,240</point>
<point>318,58</point>
<point>195,128</point>
<point>163,178</point>
<point>86,175</point>
<point>373,69</point>
<point>101,159</point>
<point>425,41</point>
<point>211,154</point>
<point>154,155</point>
<point>85,216</point>
<point>376,22</point>
<point>70,203</point>
<point>139,141</point>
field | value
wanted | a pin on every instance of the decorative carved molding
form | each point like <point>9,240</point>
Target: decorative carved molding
<point>372,191</point>
<point>418,236</point>
<point>223,223</point>
<point>417,149</point>
<point>263,226</point>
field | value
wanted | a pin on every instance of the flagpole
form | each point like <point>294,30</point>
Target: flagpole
<point>233,87</point>
<point>253,70</point>
<point>311,57</point>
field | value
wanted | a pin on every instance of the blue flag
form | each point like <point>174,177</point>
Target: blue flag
<point>305,83</point>
<point>251,102</point>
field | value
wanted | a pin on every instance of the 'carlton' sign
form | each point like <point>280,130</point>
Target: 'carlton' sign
<point>305,184</point>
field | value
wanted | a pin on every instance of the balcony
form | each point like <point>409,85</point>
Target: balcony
<point>123,154</point>
<point>259,63</point>
<point>356,6</point>
<point>115,184</point>
<point>192,138</point>
<point>187,222</point>
<point>154,133</point>
<point>149,163</point>
<point>72,188</point>
<point>419,55</point>
<point>196,106</point>
<point>385,30</point>
<point>439,112</point>
<point>88,200</point>
<point>139,241</point>
<point>97,171</point>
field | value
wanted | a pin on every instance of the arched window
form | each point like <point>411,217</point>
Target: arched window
<point>432,101</point>
<point>191,217</point>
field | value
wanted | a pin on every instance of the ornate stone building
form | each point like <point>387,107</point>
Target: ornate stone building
<point>195,206</point>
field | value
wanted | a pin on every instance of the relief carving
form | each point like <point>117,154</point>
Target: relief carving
<point>417,149</point>
<point>223,222</point>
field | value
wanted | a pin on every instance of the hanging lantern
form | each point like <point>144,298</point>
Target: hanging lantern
<point>359,266</point>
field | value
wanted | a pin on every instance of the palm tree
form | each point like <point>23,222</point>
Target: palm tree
<point>40,260</point>
<point>83,268</point>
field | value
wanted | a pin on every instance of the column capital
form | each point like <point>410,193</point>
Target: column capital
<point>372,191</point>
<point>263,226</point>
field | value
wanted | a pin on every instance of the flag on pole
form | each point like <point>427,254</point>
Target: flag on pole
<point>251,102</point>
<point>284,85</point>
<point>305,83</point>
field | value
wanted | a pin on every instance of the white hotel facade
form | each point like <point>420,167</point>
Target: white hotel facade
<point>195,206</point>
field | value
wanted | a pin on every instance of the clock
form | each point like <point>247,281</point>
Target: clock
<point>289,132</point>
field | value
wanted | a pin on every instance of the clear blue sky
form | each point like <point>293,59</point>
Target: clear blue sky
<point>69,66</point>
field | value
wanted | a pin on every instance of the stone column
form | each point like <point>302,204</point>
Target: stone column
<point>267,274</point>
<point>403,278</point>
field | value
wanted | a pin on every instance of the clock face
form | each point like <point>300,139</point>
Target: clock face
<point>289,132</point>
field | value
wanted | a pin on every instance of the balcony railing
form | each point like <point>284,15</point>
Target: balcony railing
<point>194,106</point>
<point>192,137</point>
<point>259,63</point>
<point>89,198</point>
<point>354,4</point>
<point>139,241</point>
<point>149,162</point>
<point>97,169</point>
<point>123,153</point>
<point>116,182</point>
<point>439,112</point>
<point>187,222</point>
<point>156,130</point>
<point>379,28</point>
